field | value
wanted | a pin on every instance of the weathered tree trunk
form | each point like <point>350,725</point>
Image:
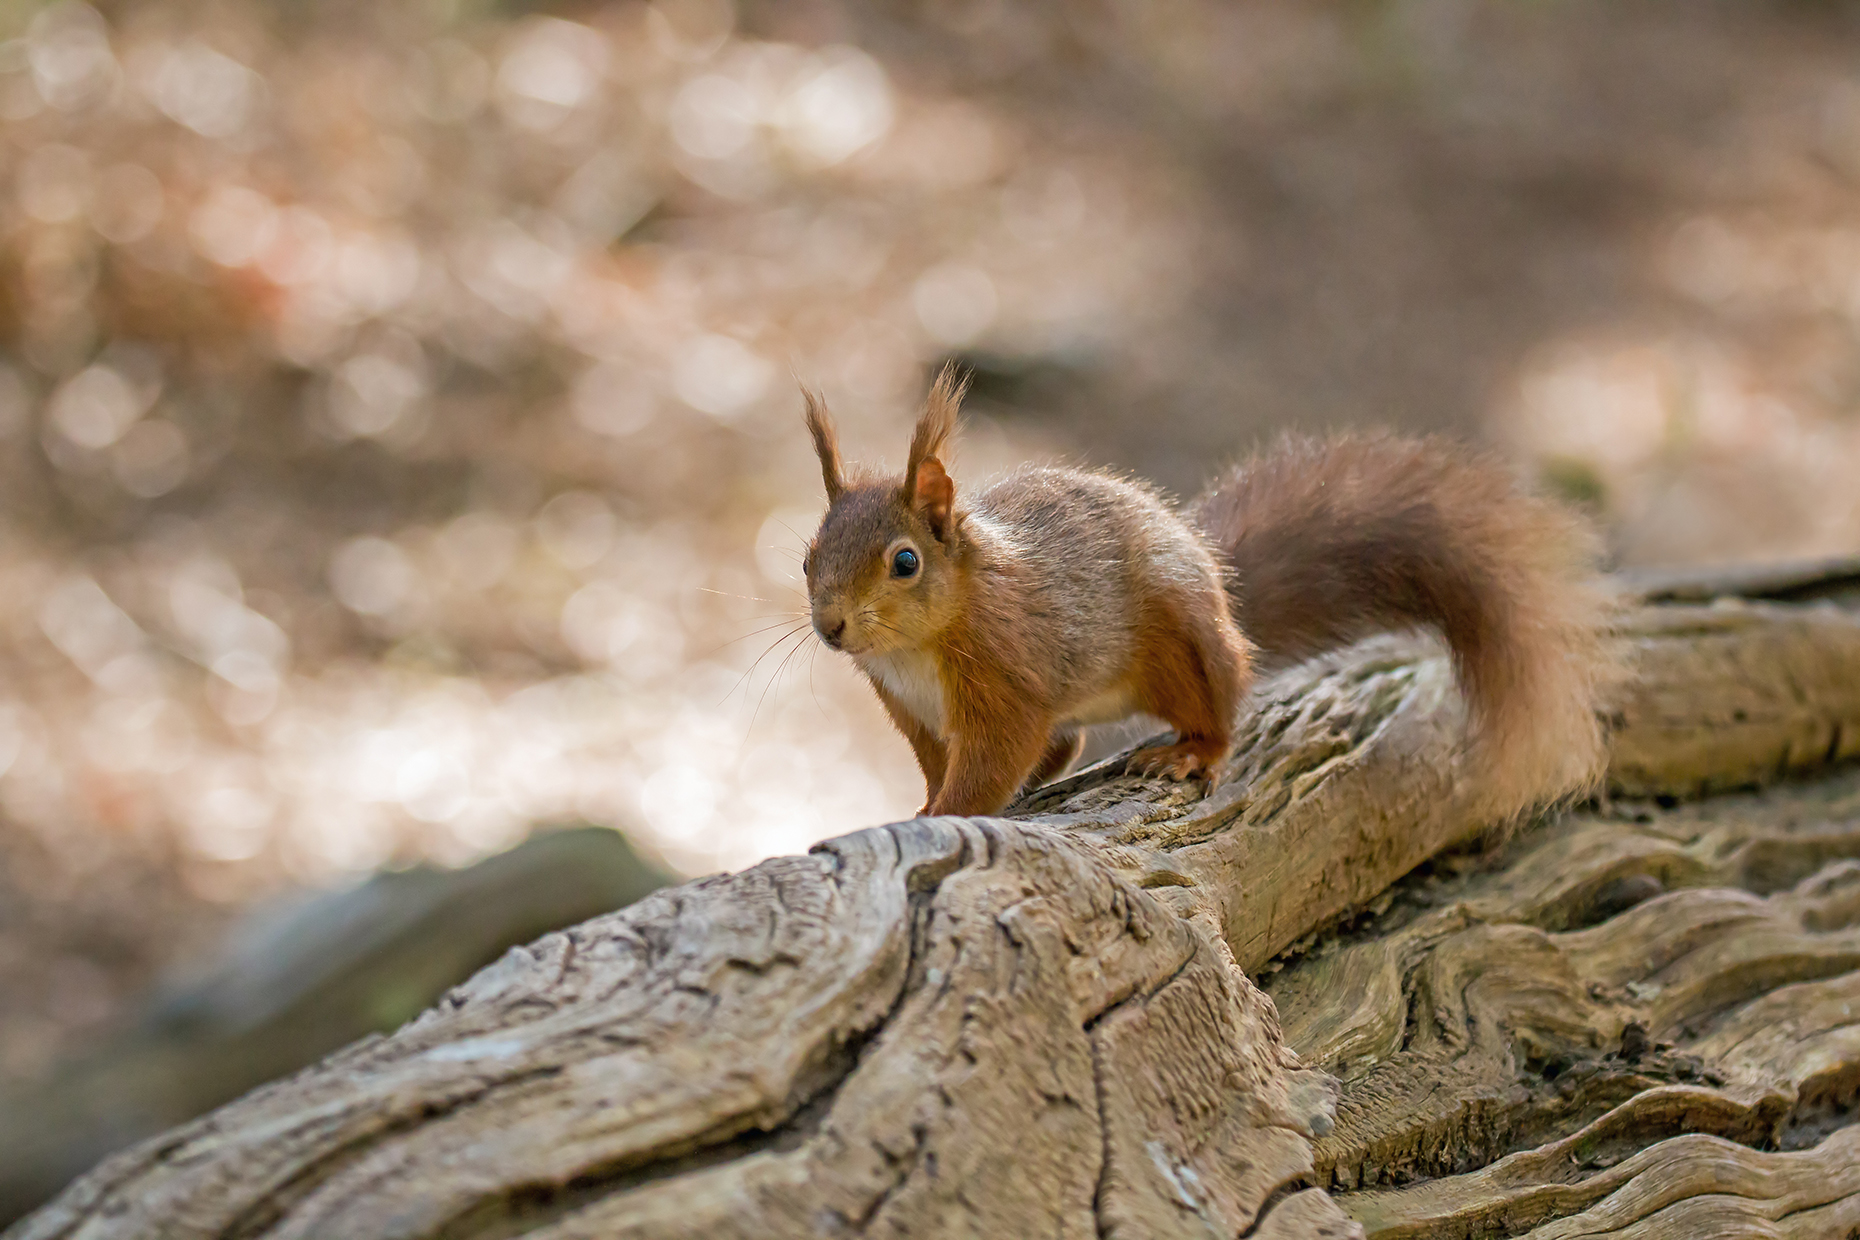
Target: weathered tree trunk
<point>1635,1020</point>
<point>301,982</point>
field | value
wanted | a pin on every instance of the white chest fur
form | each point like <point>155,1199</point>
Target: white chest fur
<point>911,677</point>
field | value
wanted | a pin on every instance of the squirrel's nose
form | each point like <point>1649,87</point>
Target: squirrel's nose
<point>830,622</point>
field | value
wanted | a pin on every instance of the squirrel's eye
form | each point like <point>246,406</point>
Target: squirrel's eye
<point>904,564</point>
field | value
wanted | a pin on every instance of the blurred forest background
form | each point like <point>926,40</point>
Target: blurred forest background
<point>399,437</point>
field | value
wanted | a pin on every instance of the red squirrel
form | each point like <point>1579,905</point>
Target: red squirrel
<point>995,626</point>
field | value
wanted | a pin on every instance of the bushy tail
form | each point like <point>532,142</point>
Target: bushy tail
<point>1331,540</point>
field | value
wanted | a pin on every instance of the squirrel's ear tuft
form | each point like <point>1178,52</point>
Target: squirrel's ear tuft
<point>927,485</point>
<point>826,443</point>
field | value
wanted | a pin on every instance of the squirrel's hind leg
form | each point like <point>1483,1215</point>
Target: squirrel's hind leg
<point>1192,669</point>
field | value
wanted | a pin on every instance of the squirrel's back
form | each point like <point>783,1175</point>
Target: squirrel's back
<point>1080,555</point>
<point>1086,533</point>
<point>1330,540</point>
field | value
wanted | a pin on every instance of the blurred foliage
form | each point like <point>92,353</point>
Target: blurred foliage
<point>1575,481</point>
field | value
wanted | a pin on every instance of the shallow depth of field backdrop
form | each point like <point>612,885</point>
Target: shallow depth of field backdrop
<point>399,438</point>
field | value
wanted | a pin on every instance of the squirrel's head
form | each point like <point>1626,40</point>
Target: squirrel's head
<point>881,570</point>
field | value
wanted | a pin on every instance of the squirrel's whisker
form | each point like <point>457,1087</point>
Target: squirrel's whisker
<point>770,649</point>
<point>768,628</point>
<point>773,679</point>
<point>747,598</point>
<point>747,675</point>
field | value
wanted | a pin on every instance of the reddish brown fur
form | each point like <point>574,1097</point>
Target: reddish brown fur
<point>1060,598</point>
<point>1332,540</point>
<point>1188,676</point>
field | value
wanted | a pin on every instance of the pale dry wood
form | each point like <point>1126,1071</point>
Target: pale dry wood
<point>1045,1026</point>
<point>1735,694</point>
<point>296,983</point>
<point>1679,1189</point>
<point>1626,977</point>
<point>1058,1051</point>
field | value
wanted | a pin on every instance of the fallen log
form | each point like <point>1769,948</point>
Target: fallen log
<point>296,983</point>
<point>1047,1024</point>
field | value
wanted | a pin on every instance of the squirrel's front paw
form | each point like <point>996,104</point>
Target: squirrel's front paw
<point>1191,759</point>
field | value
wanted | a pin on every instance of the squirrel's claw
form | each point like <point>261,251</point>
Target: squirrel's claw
<point>1183,760</point>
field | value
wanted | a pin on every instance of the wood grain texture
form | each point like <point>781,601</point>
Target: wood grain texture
<point>1509,1035</point>
<point>298,982</point>
<point>1044,1025</point>
<point>1735,694</point>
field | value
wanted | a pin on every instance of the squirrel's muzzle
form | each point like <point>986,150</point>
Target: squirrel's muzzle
<point>831,625</point>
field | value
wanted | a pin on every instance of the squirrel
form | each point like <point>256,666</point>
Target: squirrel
<point>995,626</point>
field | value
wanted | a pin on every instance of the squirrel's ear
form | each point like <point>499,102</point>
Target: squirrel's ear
<point>927,485</point>
<point>934,496</point>
<point>826,444</point>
